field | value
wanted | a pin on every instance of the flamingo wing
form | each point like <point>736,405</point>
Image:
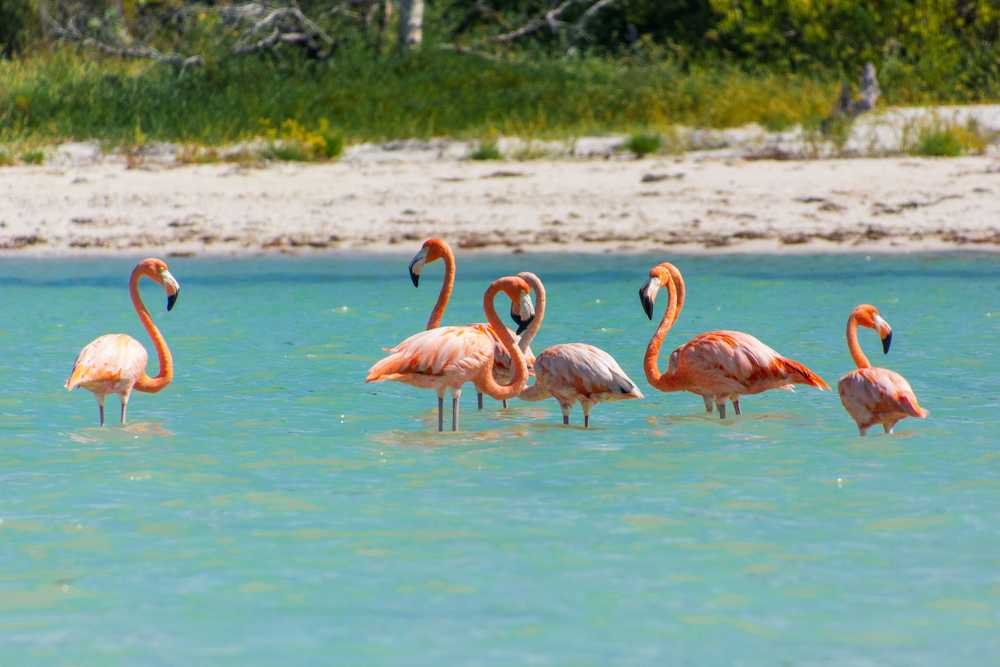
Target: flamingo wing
<point>585,370</point>
<point>733,362</point>
<point>444,351</point>
<point>111,359</point>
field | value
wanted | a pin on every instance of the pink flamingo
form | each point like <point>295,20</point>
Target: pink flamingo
<point>432,250</point>
<point>718,365</point>
<point>571,372</point>
<point>448,357</point>
<point>875,395</point>
<point>116,363</point>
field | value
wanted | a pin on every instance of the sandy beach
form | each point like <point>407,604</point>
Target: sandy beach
<point>689,203</point>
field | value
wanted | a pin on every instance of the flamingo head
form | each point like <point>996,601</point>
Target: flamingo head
<point>156,270</point>
<point>522,310</point>
<point>659,276</point>
<point>868,316</point>
<point>515,310</point>
<point>431,250</point>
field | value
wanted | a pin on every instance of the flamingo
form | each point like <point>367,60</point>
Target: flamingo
<point>717,365</point>
<point>571,372</point>
<point>116,363</point>
<point>432,250</point>
<point>875,395</point>
<point>448,357</point>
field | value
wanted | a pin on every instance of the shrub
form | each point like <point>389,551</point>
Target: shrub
<point>487,150</point>
<point>642,144</point>
<point>33,157</point>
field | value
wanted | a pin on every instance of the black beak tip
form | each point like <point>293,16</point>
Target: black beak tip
<point>647,305</point>
<point>523,324</point>
<point>415,277</point>
<point>171,300</point>
<point>886,342</point>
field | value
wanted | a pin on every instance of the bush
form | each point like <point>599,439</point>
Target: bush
<point>17,19</point>
<point>487,150</point>
<point>643,144</point>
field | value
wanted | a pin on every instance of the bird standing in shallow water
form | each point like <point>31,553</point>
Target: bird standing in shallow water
<point>571,372</point>
<point>717,365</point>
<point>432,250</point>
<point>875,395</point>
<point>447,357</point>
<point>116,363</point>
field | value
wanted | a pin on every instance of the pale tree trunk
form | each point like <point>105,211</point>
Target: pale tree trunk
<point>411,24</point>
<point>42,6</point>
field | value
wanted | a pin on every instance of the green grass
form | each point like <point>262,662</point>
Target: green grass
<point>644,143</point>
<point>33,157</point>
<point>487,150</point>
<point>947,139</point>
<point>362,98</point>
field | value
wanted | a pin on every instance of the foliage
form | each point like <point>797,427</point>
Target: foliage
<point>941,139</point>
<point>644,143</point>
<point>17,19</point>
<point>33,157</point>
<point>487,150</point>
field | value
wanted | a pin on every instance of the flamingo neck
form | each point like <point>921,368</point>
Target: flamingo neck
<point>447,285</point>
<point>860,360</point>
<point>539,289</point>
<point>662,381</point>
<point>166,374</point>
<point>487,384</point>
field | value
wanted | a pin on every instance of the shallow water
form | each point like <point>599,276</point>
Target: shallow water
<point>270,508</point>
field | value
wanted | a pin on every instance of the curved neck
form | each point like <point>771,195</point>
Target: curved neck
<point>650,365</point>
<point>679,286</point>
<point>539,289</point>
<point>487,384</point>
<point>860,360</point>
<point>166,374</point>
<point>447,285</point>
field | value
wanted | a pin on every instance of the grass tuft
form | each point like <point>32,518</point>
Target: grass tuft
<point>487,150</point>
<point>33,157</point>
<point>644,143</point>
<point>948,139</point>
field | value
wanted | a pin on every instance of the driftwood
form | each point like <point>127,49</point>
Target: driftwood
<point>552,20</point>
<point>261,28</point>
<point>853,107</point>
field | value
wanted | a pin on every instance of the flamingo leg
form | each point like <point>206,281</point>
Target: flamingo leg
<point>479,400</point>
<point>586,413</point>
<point>889,428</point>
<point>100,408</point>
<point>862,431</point>
<point>454,410</point>
<point>708,404</point>
<point>124,409</point>
<point>440,413</point>
<point>736,407</point>
<point>721,405</point>
<point>565,412</point>
<point>505,404</point>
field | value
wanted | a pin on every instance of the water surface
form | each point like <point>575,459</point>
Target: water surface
<point>269,508</point>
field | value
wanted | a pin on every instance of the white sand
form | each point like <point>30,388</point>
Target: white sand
<point>702,205</point>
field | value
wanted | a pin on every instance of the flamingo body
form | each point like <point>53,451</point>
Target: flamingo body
<point>110,364</point>
<point>578,372</point>
<point>727,364</point>
<point>878,396</point>
<point>440,359</point>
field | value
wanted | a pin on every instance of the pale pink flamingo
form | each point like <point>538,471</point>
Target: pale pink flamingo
<point>432,250</point>
<point>116,363</point>
<point>571,372</point>
<point>875,395</point>
<point>717,365</point>
<point>447,357</point>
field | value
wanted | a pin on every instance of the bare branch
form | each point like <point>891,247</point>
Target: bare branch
<point>549,19</point>
<point>71,33</point>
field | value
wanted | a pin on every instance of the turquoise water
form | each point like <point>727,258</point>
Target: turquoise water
<point>269,508</point>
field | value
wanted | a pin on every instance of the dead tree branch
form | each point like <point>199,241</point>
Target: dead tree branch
<point>71,33</point>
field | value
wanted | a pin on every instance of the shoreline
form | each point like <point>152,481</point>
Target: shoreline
<point>687,204</point>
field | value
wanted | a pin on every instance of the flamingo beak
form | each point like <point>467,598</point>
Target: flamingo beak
<point>172,287</point>
<point>647,295</point>
<point>884,332</point>
<point>416,264</point>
